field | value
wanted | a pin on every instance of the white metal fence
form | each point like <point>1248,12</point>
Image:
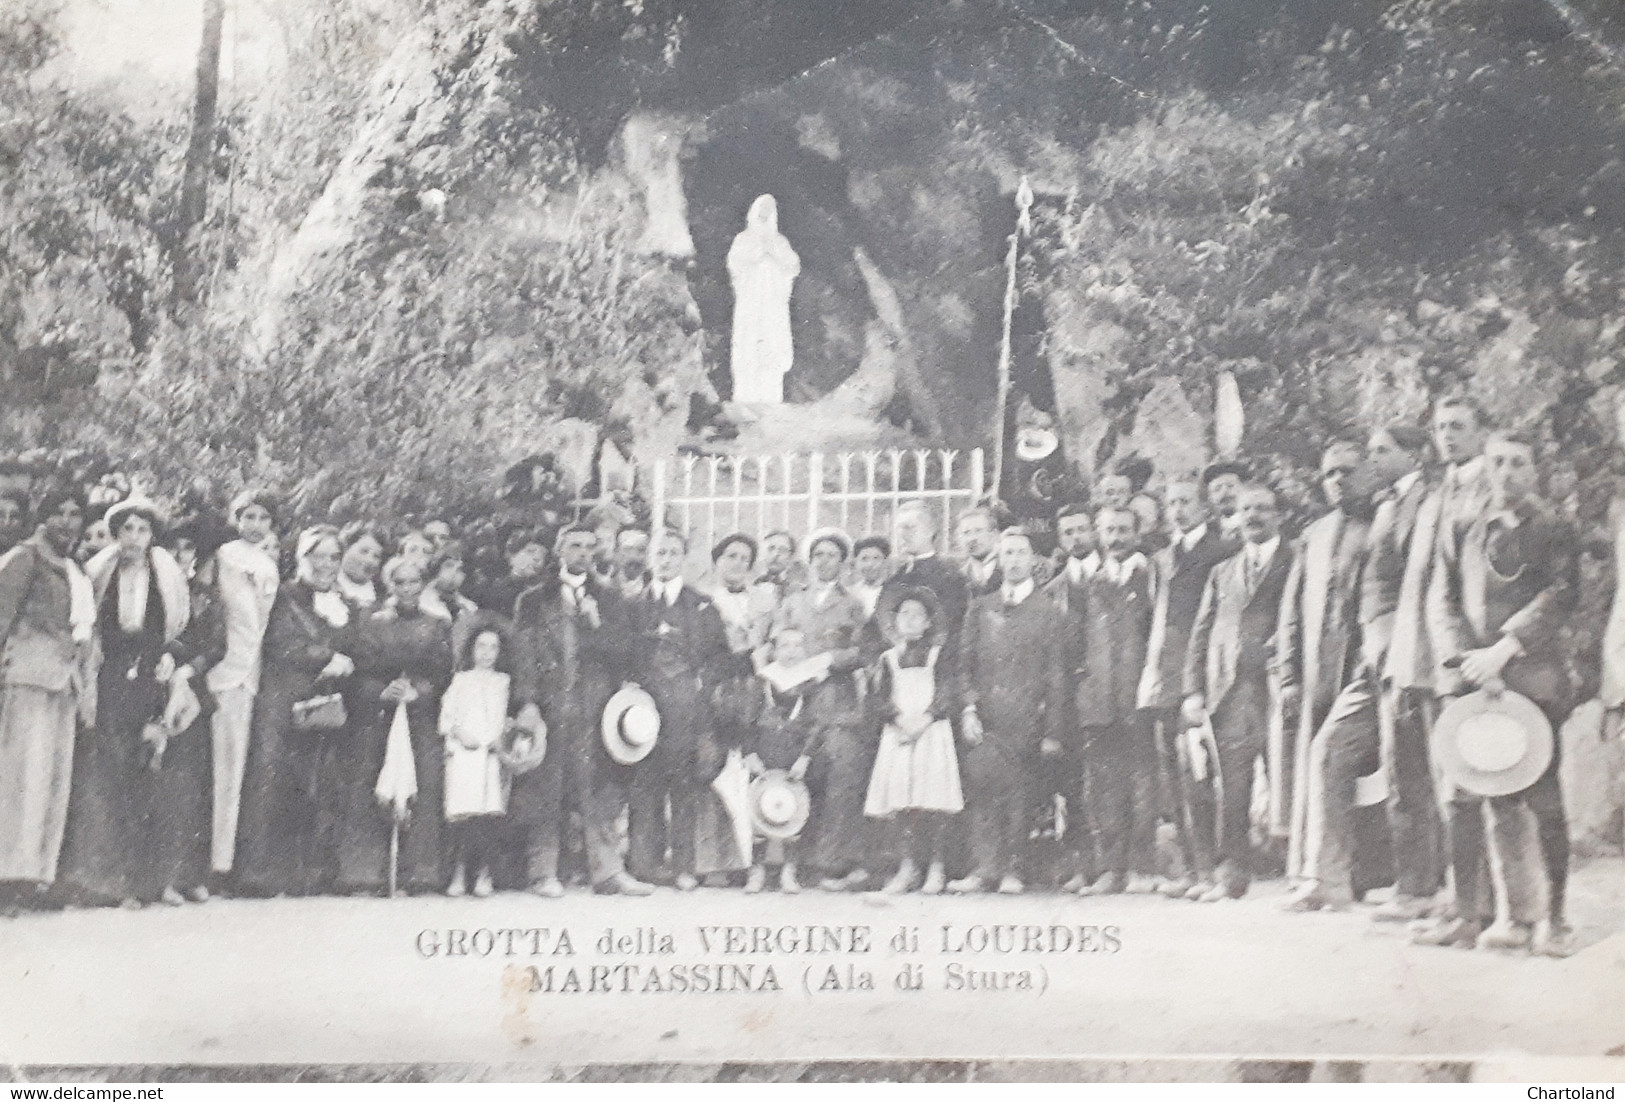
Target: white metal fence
<point>710,496</point>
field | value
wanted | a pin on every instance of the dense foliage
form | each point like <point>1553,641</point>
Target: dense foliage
<point>423,264</point>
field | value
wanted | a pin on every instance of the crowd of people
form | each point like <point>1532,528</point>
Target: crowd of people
<point>181,717</point>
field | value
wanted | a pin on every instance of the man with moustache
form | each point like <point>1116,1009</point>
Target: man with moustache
<point>1317,645</point>
<point>1221,485</point>
<point>978,543</point>
<point>629,565</point>
<point>1178,577</point>
<point>571,643</point>
<point>1015,682</point>
<point>1227,678</point>
<point>1402,566</point>
<point>1114,743</point>
<point>1346,745</point>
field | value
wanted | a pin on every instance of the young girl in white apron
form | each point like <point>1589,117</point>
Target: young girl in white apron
<point>915,783</point>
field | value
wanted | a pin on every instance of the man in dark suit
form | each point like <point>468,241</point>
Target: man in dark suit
<point>570,642</point>
<point>681,651</point>
<point>1015,692</point>
<point>1111,620</point>
<point>1500,595</point>
<point>1401,569</point>
<point>1060,785</point>
<point>1178,576</point>
<point>1227,675</point>
<point>978,537</point>
<point>1347,743</point>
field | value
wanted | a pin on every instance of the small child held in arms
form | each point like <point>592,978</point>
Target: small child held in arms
<point>915,783</point>
<point>782,739</point>
<point>474,722</point>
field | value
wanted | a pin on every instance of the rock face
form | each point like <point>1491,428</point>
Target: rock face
<point>1593,779</point>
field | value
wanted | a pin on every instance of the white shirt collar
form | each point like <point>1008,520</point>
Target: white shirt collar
<point>668,590</point>
<point>1262,554</point>
<point>1115,570</point>
<point>1193,537</point>
<point>1405,482</point>
<point>574,581</point>
<point>1079,571</point>
<point>1015,594</point>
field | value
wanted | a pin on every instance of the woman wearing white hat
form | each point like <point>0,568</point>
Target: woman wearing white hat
<point>831,620</point>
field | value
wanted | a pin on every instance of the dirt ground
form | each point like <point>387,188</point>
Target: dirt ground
<point>346,980</point>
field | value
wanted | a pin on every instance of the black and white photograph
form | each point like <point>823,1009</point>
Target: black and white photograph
<point>937,541</point>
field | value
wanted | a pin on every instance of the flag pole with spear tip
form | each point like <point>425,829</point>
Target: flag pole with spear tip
<point>1024,225</point>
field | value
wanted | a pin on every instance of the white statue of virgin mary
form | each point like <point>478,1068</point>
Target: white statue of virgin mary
<point>762,267</point>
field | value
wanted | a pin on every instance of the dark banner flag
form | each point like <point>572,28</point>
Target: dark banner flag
<point>1034,477</point>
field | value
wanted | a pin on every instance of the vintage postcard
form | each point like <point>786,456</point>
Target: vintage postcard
<point>820,540</point>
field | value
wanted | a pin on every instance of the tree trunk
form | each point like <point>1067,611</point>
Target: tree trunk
<point>199,153</point>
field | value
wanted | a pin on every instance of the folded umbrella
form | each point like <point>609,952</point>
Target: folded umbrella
<point>397,785</point>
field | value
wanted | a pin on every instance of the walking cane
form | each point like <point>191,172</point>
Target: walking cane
<point>394,852</point>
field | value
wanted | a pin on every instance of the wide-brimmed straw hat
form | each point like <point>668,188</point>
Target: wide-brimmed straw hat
<point>1492,744</point>
<point>779,807</point>
<point>630,726</point>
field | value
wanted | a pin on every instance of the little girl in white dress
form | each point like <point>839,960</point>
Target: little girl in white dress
<point>473,721</point>
<point>915,782</point>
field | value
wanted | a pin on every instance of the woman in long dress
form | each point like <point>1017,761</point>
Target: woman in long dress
<point>402,656</point>
<point>747,612</point>
<point>831,620</point>
<point>293,789</point>
<point>142,606</point>
<point>47,613</point>
<point>178,811</point>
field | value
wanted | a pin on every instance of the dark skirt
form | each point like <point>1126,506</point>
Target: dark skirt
<point>179,810</point>
<point>363,852</point>
<point>103,850</point>
<point>293,798</point>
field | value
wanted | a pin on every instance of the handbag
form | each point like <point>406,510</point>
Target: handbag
<point>320,713</point>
